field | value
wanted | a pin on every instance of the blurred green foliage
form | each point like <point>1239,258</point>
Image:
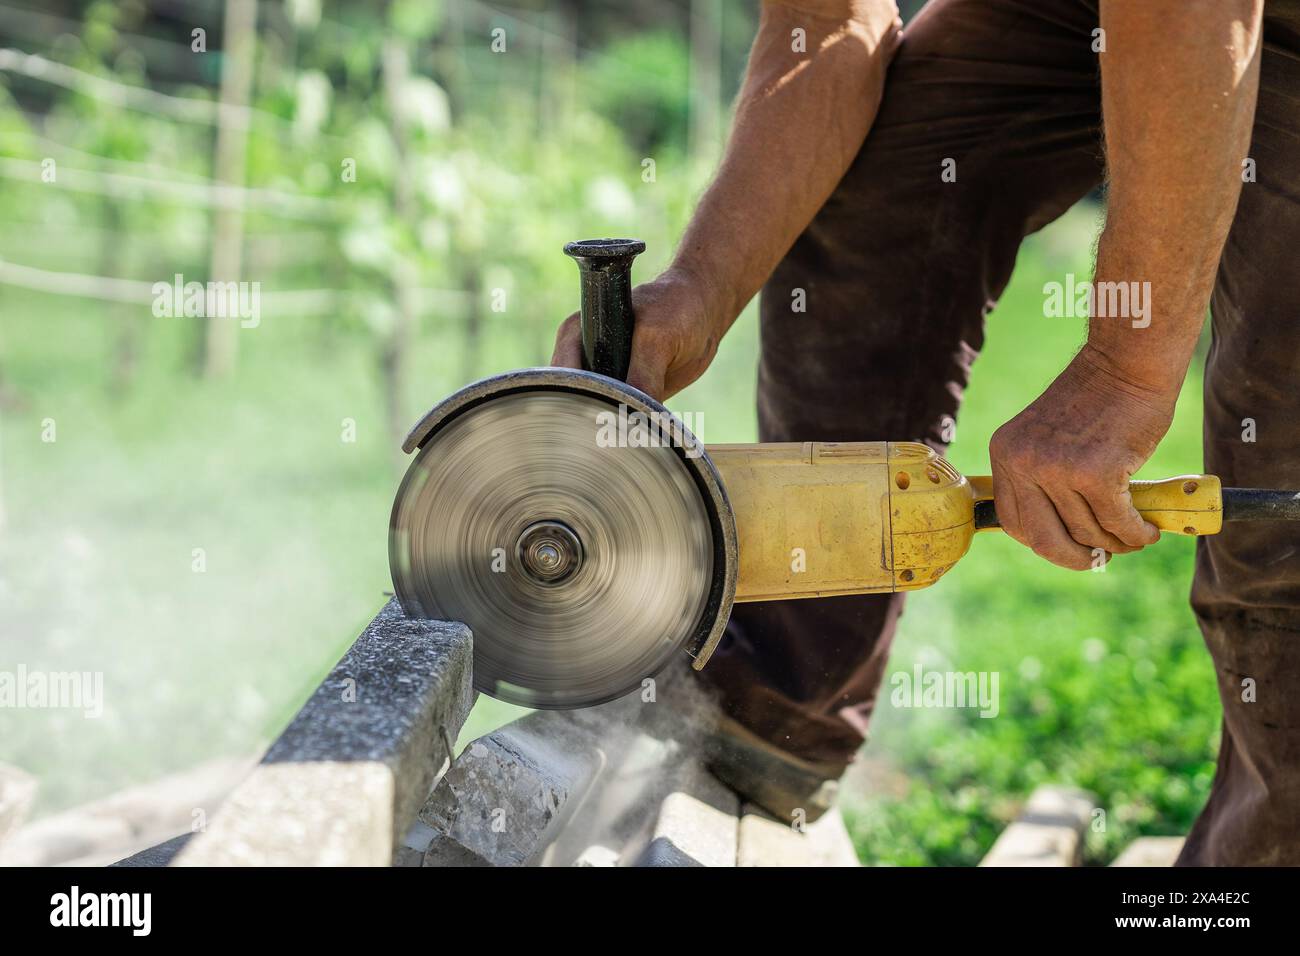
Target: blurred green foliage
<point>641,84</point>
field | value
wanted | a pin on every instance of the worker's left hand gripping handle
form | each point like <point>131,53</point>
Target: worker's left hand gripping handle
<point>605,267</point>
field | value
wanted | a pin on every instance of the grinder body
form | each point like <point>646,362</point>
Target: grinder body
<point>820,519</point>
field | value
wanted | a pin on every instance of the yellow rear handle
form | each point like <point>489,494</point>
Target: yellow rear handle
<point>1188,504</point>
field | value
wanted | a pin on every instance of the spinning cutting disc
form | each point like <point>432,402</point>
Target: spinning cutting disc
<point>580,564</point>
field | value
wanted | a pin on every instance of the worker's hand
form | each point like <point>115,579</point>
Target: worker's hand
<point>1061,467</point>
<point>673,341</point>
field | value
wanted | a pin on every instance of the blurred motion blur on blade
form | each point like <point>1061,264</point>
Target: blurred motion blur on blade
<point>581,569</point>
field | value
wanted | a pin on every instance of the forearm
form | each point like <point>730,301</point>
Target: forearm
<point>1179,84</point>
<point>801,117</point>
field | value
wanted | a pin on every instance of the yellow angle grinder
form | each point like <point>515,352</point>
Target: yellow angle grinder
<point>585,535</point>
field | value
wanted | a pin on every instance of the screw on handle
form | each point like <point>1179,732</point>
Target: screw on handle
<point>605,267</point>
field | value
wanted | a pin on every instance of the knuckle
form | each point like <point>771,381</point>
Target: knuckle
<point>657,342</point>
<point>1132,537</point>
<point>1013,462</point>
<point>1002,450</point>
<point>1106,507</point>
<point>1089,475</point>
<point>1049,466</point>
<point>1059,556</point>
<point>1090,489</point>
<point>1082,533</point>
<point>1058,474</point>
<point>649,332</point>
<point>1125,525</point>
<point>1040,544</point>
<point>1058,552</point>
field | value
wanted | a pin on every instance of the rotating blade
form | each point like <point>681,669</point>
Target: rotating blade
<point>580,566</point>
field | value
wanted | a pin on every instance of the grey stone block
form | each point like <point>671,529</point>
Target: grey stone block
<point>767,841</point>
<point>662,851</point>
<point>343,783</point>
<point>1048,832</point>
<point>1151,851</point>
<point>160,855</point>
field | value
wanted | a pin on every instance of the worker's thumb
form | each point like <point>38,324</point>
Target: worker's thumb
<point>568,344</point>
<point>647,379</point>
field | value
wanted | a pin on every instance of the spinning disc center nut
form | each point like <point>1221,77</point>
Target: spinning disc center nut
<point>549,551</point>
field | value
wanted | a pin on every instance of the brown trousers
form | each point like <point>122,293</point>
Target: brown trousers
<point>899,270</point>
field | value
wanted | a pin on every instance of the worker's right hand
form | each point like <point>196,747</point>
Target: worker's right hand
<point>673,341</point>
<point>1061,468</point>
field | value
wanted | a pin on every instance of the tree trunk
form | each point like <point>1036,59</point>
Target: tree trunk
<point>706,78</point>
<point>396,70</point>
<point>472,283</point>
<point>229,160</point>
<point>124,319</point>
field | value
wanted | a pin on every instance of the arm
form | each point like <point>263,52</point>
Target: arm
<point>1178,95</point>
<point>800,120</point>
<point>1179,84</point>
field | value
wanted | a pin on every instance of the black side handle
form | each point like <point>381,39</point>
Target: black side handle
<point>605,267</point>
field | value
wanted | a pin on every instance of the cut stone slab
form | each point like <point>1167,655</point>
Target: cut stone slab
<point>1048,832</point>
<point>1151,851</point>
<point>548,788</point>
<point>325,813</point>
<point>343,783</point>
<point>695,822</point>
<point>503,802</point>
<point>767,841</point>
<point>700,826</point>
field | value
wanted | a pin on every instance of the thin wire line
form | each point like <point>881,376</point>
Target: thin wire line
<point>210,195</point>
